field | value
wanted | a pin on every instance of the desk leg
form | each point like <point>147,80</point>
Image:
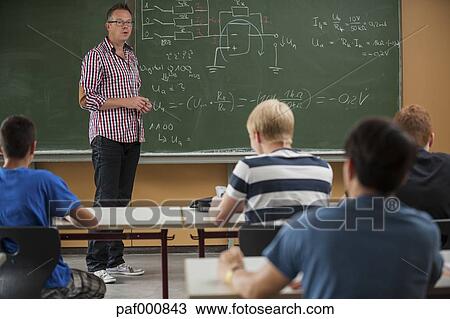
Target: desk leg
<point>164,271</point>
<point>201,243</point>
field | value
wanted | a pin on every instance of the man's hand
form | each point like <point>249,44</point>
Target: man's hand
<point>139,103</point>
<point>266,282</point>
<point>232,258</point>
<point>295,284</point>
<point>82,217</point>
<point>446,270</point>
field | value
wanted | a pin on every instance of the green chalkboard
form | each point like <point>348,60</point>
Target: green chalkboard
<point>40,58</point>
<point>206,63</point>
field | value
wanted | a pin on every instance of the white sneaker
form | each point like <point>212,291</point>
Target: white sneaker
<point>105,276</point>
<point>125,270</point>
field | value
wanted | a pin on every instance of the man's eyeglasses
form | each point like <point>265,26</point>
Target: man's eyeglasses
<point>121,23</point>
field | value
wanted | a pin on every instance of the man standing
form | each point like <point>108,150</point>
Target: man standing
<point>109,90</point>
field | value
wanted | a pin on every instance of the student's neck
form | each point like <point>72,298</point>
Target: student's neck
<point>270,147</point>
<point>16,163</point>
<point>359,190</point>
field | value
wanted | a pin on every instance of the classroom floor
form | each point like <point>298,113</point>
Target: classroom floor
<point>148,285</point>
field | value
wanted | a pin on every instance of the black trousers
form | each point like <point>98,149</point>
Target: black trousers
<point>114,171</point>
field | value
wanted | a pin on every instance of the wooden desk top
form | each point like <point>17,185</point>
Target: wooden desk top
<point>132,217</point>
<point>158,217</point>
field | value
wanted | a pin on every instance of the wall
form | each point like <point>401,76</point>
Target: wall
<point>426,81</point>
<point>426,64</point>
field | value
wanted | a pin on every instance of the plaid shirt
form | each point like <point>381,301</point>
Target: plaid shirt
<point>106,75</point>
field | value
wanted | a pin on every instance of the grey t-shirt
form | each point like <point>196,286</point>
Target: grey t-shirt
<point>364,248</point>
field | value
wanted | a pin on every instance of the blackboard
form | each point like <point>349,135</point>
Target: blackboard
<point>40,58</point>
<point>206,63</point>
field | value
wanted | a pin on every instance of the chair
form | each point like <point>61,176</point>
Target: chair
<point>253,238</point>
<point>25,271</point>
<point>444,227</point>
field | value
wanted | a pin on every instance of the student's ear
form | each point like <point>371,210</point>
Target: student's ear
<point>33,148</point>
<point>348,170</point>
<point>258,137</point>
<point>431,140</point>
<point>351,169</point>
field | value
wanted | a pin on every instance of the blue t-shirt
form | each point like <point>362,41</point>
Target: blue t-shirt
<point>31,197</point>
<point>382,250</point>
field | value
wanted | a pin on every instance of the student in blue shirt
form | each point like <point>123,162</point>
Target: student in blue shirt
<point>32,197</point>
<point>370,246</point>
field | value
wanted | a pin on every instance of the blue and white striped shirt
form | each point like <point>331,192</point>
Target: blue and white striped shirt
<point>283,178</point>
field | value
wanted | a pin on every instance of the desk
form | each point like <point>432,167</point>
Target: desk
<point>202,220</point>
<point>202,281</point>
<point>119,218</point>
<point>442,287</point>
<point>160,218</point>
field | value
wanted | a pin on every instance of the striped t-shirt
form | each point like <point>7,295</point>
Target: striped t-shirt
<point>283,178</point>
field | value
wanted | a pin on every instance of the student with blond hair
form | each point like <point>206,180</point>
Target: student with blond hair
<point>279,180</point>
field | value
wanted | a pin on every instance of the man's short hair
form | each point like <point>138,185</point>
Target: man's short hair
<point>117,6</point>
<point>17,136</point>
<point>416,121</point>
<point>274,120</point>
<point>381,153</point>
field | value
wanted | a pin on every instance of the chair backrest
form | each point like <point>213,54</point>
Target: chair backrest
<point>253,238</point>
<point>444,227</point>
<point>24,272</point>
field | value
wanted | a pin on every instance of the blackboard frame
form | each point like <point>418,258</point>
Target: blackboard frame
<point>169,158</point>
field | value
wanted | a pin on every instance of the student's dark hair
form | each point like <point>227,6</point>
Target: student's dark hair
<point>381,153</point>
<point>17,136</point>
<point>117,6</point>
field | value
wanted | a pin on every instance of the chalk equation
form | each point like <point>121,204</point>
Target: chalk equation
<point>296,99</point>
<point>352,32</point>
<point>236,30</point>
<point>164,132</point>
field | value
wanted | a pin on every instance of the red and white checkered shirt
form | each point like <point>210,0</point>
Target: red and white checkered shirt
<point>106,75</point>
